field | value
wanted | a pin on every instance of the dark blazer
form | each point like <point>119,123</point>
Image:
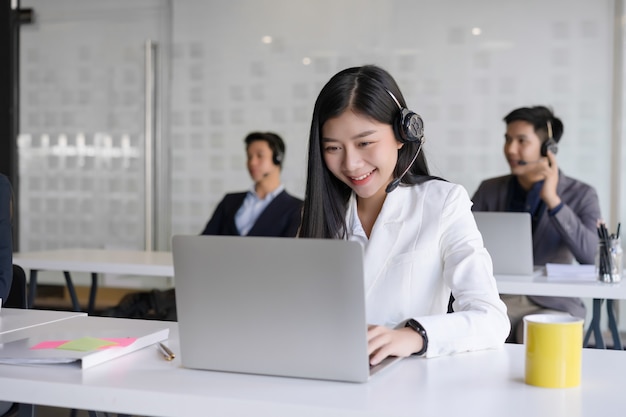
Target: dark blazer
<point>281,218</point>
<point>6,238</point>
<point>570,234</point>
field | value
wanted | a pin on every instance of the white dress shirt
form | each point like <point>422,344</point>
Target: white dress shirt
<point>423,245</point>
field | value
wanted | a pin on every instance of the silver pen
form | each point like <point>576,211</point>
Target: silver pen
<point>166,352</point>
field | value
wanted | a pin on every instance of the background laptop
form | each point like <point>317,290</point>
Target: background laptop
<point>508,239</point>
<point>274,306</point>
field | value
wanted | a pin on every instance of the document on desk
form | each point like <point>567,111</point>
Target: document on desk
<point>82,341</point>
<point>571,272</point>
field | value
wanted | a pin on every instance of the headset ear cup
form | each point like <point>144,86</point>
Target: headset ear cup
<point>409,126</point>
<point>554,148</point>
<point>549,145</point>
<point>277,157</point>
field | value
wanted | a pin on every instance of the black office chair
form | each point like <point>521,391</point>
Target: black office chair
<point>16,299</point>
<point>17,294</point>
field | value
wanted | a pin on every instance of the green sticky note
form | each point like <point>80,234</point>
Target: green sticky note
<point>85,344</point>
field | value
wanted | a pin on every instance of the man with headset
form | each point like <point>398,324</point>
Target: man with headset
<point>564,211</point>
<point>266,209</point>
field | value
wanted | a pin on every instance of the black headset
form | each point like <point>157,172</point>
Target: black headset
<point>277,157</point>
<point>278,153</point>
<point>549,144</point>
<point>408,125</point>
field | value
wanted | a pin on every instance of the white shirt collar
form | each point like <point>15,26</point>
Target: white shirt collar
<point>356,232</point>
<point>271,195</point>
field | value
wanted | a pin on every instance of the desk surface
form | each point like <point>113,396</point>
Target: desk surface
<point>12,319</point>
<point>129,262</point>
<point>486,383</point>
<point>542,285</point>
<point>104,261</point>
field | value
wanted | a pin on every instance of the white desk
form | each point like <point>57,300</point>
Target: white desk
<point>599,291</point>
<point>485,384</point>
<point>542,285</point>
<point>12,319</point>
<point>129,262</point>
<point>94,261</point>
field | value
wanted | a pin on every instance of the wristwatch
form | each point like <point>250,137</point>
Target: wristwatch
<point>415,325</point>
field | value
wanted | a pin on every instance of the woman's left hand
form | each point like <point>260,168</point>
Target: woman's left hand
<point>383,342</point>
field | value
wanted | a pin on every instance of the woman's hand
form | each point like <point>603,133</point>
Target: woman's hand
<point>383,342</point>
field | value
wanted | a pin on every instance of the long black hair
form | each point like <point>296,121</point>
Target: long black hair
<point>365,90</point>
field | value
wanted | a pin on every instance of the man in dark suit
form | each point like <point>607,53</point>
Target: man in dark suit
<point>266,209</point>
<point>564,211</point>
<point>6,238</point>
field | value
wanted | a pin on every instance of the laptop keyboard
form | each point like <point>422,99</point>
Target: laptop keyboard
<point>385,363</point>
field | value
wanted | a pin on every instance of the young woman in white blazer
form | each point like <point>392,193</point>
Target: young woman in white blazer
<point>368,181</point>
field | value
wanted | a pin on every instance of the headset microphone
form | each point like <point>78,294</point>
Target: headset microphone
<point>522,162</point>
<point>394,184</point>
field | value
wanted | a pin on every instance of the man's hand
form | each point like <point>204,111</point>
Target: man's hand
<point>550,173</point>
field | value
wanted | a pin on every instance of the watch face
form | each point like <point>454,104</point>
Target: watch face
<point>413,324</point>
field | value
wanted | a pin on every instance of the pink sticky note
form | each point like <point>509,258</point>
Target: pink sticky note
<point>121,341</point>
<point>49,344</point>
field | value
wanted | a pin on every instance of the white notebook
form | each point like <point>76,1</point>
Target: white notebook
<point>82,341</point>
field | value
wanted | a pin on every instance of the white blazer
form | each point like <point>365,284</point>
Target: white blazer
<point>425,244</point>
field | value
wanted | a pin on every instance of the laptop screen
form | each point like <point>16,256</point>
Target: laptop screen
<point>273,306</point>
<point>508,239</point>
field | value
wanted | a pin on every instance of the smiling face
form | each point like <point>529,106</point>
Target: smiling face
<point>361,152</point>
<point>522,144</point>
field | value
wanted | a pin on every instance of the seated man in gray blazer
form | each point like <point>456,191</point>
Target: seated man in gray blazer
<point>564,211</point>
<point>266,209</point>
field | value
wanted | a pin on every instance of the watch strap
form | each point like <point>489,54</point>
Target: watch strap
<point>416,326</point>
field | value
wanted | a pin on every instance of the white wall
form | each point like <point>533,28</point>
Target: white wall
<point>226,82</point>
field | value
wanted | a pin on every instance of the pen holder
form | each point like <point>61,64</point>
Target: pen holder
<point>609,262</point>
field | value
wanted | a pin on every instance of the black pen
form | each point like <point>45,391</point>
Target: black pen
<point>166,352</point>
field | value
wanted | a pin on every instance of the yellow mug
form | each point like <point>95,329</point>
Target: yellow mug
<point>554,344</point>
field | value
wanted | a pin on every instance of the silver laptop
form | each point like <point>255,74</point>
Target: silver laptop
<point>272,306</point>
<point>508,239</point>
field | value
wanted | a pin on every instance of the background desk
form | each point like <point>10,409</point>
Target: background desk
<point>485,384</point>
<point>599,291</point>
<point>12,319</point>
<point>94,261</point>
<point>542,285</point>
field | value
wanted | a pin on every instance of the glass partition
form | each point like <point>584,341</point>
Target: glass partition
<point>82,143</point>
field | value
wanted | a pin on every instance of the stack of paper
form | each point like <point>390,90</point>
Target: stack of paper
<point>84,341</point>
<point>571,272</point>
